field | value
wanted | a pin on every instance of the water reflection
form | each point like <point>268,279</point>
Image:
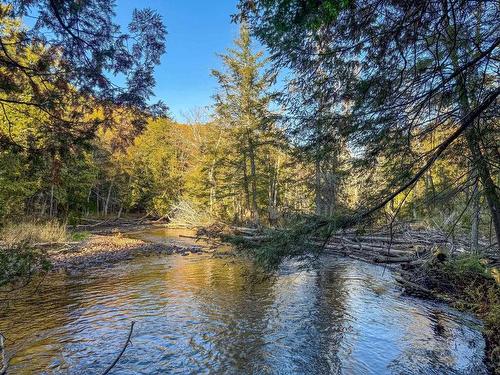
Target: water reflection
<point>200,315</point>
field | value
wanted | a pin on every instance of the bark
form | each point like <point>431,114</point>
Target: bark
<point>476,212</point>
<point>253,177</point>
<point>317,187</point>
<point>245,183</point>
<point>108,197</point>
<point>51,206</point>
<point>97,202</point>
<point>273,193</point>
<point>211,180</point>
<point>484,174</point>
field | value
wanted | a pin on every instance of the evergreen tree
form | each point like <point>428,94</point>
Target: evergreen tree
<point>242,108</point>
<point>408,69</point>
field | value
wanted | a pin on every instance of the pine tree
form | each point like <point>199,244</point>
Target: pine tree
<point>242,108</point>
<point>410,69</point>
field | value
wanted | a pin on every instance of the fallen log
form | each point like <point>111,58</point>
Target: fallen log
<point>196,238</point>
<point>414,287</point>
<point>255,238</point>
<point>382,259</point>
<point>373,238</point>
<point>245,230</point>
<point>49,244</point>
<point>377,250</point>
<point>93,225</point>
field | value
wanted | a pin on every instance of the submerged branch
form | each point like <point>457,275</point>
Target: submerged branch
<point>122,351</point>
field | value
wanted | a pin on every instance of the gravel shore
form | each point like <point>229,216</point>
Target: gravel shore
<point>106,249</point>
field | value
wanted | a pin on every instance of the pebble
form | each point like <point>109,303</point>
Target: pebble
<point>103,250</point>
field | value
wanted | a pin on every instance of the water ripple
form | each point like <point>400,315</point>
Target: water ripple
<point>201,315</point>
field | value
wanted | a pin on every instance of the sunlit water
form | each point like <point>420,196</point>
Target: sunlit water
<point>199,315</point>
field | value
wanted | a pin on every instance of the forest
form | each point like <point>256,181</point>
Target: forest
<point>341,124</point>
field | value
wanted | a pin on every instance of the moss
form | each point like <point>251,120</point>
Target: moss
<point>80,236</point>
<point>467,266</point>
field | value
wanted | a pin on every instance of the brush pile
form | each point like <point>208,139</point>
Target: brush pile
<point>403,244</point>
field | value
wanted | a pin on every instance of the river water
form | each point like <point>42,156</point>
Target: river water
<point>200,314</point>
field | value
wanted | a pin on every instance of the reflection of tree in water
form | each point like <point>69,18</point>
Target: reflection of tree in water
<point>261,324</point>
<point>430,346</point>
<point>224,316</point>
<point>329,319</point>
<point>37,324</point>
<point>305,322</point>
<point>438,324</point>
<point>236,303</point>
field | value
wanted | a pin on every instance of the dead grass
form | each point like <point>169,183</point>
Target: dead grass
<point>28,233</point>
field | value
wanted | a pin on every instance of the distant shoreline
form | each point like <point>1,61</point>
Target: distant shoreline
<point>102,250</point>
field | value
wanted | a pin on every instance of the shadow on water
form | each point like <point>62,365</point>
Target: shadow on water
<point>200,314</point>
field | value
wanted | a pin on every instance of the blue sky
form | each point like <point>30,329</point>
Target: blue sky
<point>197,30</point>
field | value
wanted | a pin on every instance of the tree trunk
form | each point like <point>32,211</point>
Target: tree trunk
<point>476,212</point>
<point>479,163</point>
<point>51,207</point>
<point>472,136</point>
<point>253,177</point>
<point>245,183</point>
<point>317,187</point>
<point>97,201</point>
<point>106,204</point>
<point>484,174</point>
<point>273,193</point>
<point>211,181</point>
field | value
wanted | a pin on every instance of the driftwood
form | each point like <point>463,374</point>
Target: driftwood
<point>197,238</point>
<point>192,237</point>
<point>256,238</point>
<point>91,220</point>
<point>122,351</point>
<point>244,230</point>
<point>97,224</point>
<point>42,245</point>
<point>382,259</point>
<point>378,248</point>
<point>400,244</point>
<point>415,287</point>
<point>50,244</point>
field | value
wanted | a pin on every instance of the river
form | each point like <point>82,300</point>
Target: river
<point>200,314</point>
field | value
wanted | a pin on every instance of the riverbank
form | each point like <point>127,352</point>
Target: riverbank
<point>31,247</point>
<point>101,250</point>
<point>467,283</point>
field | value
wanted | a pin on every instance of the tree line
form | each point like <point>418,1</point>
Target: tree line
<point>367,109</point>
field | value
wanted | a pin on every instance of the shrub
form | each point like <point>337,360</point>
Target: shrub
<point>19,263</point>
